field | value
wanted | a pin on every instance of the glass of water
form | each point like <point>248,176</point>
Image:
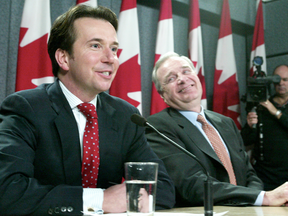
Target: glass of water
<point>141,184</point>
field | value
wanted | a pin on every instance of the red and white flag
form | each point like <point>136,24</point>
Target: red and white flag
<point>92,3</point>
<point>127,83</point>
<point>33,64</point>
<point>164,43</point>
<point>258,45</point>
<point>196,47</point>
<point>226,91</point>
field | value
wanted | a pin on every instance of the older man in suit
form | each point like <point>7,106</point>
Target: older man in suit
<point>42,130</point>
<point>188,124</point>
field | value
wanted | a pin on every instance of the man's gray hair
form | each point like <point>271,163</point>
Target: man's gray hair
<point>161,60</point>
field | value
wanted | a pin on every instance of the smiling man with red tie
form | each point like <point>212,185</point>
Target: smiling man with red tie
<point>45,132</point>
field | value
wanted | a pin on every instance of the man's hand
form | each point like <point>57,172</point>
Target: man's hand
<point>276,197</point>
<point>269,106</point>
<point>252,119</point>
<point>143,201</point>
<point>115,199</point>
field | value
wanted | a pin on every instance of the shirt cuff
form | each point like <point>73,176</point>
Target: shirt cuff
<point>259,200</point>
<point>93,200</point>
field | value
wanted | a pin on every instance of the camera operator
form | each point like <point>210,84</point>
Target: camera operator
<point>270,158</point>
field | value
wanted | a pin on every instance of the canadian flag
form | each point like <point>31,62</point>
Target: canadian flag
<point>196,47</point>
<point>258,45</point>
<point>226,91</point>
<point>92,3</point>
<point>127,83</point>
<point>33,64</point>
<point>164,43</point>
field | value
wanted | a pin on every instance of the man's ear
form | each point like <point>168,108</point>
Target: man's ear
<point>62,58</point>
<point>161,95</point>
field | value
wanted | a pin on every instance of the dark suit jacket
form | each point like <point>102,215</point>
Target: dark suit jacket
<point>40,161</point>
<point>187,174</point>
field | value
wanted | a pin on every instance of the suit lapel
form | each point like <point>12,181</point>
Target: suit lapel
<point>68,132</point>
<point>225,133</point>
<point>105,116</point>
<point>194,134</point>
<point>108,132</point>
<point>199,140</point>
<point>231,141</point>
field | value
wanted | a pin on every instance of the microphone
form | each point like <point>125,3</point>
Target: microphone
<point>208,193</point>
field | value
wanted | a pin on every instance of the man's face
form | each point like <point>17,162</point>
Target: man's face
<point>180,84</point>
<point>282,88</point>
<point>94,62</point>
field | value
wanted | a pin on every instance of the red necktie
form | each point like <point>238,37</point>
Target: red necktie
<point>219,147</point>
<point>91,157</point>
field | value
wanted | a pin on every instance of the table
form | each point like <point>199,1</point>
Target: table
<point>236,211</point>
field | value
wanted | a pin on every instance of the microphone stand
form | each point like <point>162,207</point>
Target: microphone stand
<point>208,193</point>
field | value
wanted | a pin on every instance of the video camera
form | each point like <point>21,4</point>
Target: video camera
<point>258,87</point>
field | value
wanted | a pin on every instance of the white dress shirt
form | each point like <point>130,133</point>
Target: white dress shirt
<point>92,197</point>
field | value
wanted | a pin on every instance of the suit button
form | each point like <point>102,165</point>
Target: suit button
<point>70,209</point>
<point>63,209</point>
<point>56,210</point>
<point>50,211</point>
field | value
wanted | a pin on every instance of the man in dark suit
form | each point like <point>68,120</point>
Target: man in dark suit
<point>41,130</point>
<point>178,84</point>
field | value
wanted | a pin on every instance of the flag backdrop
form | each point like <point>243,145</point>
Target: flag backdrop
<point>33,64</point>
<point>127,83</point>
<point>164,43</point>
<point>196,47</point>
<point>258,45</point>
<point>226,91</point>
<point>92,3</point>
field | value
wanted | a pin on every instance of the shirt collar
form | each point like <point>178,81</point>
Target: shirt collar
<point>72,99</point>
<point>192,116</point>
